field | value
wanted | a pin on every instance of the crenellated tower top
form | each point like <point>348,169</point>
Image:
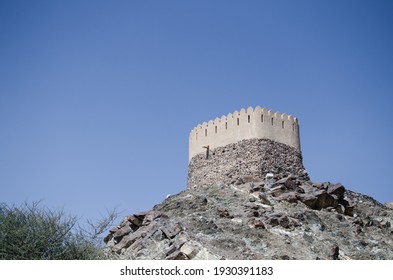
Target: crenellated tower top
<point>247,124</point>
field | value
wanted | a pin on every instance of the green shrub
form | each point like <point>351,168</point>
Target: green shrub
<point>31,232</point>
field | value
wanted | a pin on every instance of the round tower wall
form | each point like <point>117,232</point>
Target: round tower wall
<point>246,160</point>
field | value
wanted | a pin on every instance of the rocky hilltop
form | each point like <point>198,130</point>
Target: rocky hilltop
<point>282,216</point>
<point>253,199</point>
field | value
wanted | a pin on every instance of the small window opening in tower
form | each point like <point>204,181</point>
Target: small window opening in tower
<point>248,118</point>
<point>272,121</point>
<point>282,124</point>
<point>237,121</point>
<point>215,129</point>
<point>226,125</point>
<point>196,136</point>
<point>293,127</point>
<point>206,132</point>
<point>261,118</point>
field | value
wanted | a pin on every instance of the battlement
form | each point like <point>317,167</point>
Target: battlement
<point>247,124</point>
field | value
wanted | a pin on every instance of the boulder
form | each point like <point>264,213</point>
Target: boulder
<point>289,196</point>
<point>288,182</point>
<point>124,230</point>
<point>134,220</point>
<point>308,199</point>
<point>336,189</point>
<point>325,200</point>
<point>318,200</point>
<point>306,188</point>
<point>127,240</point>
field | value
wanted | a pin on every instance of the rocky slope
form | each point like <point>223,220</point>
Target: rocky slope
<point>281,217</point>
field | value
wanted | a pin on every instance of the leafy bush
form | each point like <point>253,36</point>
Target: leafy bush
<point>31,232</point>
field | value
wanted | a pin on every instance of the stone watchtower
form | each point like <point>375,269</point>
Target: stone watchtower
<point>244,145</point>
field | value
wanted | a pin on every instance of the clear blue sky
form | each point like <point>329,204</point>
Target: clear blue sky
<point>97,98</point>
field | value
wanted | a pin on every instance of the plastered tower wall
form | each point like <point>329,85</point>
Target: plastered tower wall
<point>246,144</point>
<point>247,124</point>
